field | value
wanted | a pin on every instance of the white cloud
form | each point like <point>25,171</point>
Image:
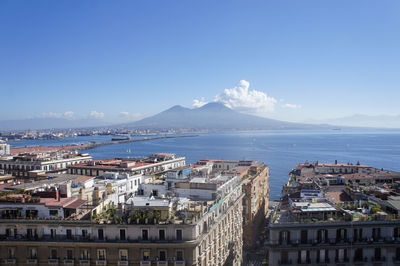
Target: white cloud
<point>199,103</point>
<point>242,99</point>
<point>51,115</point>
<point>129,116</point>
<point>69,114</point>
<point>96,115</point>
<point>291,106</point>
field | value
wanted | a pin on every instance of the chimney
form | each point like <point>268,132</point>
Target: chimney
<point>57,195</point>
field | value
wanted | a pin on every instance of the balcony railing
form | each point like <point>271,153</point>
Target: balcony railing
<point>31,261</point>
<point>145,263</point>
<point>84,262</point>
<point>10,261</point>
<point>285,262</point>
<point>162,263</point>
<point>378,259</point>
<point>342,260</point>
<point>69,262</point>
<point>123,263</point>
<point>101,262</point>
<point>52,261</point>
<point>179,263</point>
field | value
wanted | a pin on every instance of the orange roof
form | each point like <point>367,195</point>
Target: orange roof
<point>83,178</point>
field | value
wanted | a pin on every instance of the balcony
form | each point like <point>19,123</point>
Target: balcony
<point>31,261</point>
<point>101,262</point>
<point>360,261</point>
<point>69,262</point>
<point>145,263</point>
<point>10,261</point>
<point>341,261</point>
<point>323,262</point>
<point>285,262</point>
<point>179,263</point>
<point>379,259</point>
<point>123,263</point>
<point>84,262</point>
<point>306,262</point>
<point>52,262</point>
<point>162,263</point>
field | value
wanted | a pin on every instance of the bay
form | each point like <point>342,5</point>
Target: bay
<point>280,150</point>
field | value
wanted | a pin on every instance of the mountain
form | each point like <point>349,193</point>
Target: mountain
<point>213,116</point>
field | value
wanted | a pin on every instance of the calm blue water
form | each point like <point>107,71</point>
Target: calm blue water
<point>280,150</point>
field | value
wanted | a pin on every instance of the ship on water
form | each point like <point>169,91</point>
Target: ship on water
<point>118,137</point>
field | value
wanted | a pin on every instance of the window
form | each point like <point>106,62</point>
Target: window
<point>396,232</point>
<point>123,254</point>
<point>53,212</point>
<point>322,255</point>
<point>284,257</point>
<point>341,234</point>
<point>84,233</point>
<point>29,233</point>
<point>397,254</point>
<point>145,255</point>
<point>145,234</point>
<point>284,237</point>
<point>100,234</point>
<point>179,255</point>
<point>70,254</point>
<point>161,234</point>
<point>84,254</point>
<point>357,234</point>
<point>11,253</point>
<point>341,255</point>
<point>358,254</point>
<point>376,233</point>
<point>122,234</point>
<point>53,233</point>
<point>378,253</point>
<point>69,234</point>
<point>8,232</point>
<point>162,255</point>
<point>32,253</point>
<point>179,234</point>
<point>101,254</point>
<point>303,256</point>
<point>53,254</point>
<point>322,235</point>
<point>304,237</point>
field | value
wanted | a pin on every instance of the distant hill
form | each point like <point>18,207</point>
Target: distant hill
<point>47,123</point>
<point>213,116</point>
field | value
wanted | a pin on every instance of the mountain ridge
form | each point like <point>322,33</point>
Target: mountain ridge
<point>212,116</point>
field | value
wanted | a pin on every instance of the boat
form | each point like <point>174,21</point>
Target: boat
<point>120,137</point>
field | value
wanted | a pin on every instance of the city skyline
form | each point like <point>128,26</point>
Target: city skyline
<point>119,63</point>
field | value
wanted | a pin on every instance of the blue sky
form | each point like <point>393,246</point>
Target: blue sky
<point>121,60</point>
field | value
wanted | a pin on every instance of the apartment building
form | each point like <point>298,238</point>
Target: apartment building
<point>155,163</point>
<point>55,162</point>
<point>197,221</point>
<point>323,223</point>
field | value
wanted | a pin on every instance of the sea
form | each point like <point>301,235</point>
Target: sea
<point>281,150</point>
